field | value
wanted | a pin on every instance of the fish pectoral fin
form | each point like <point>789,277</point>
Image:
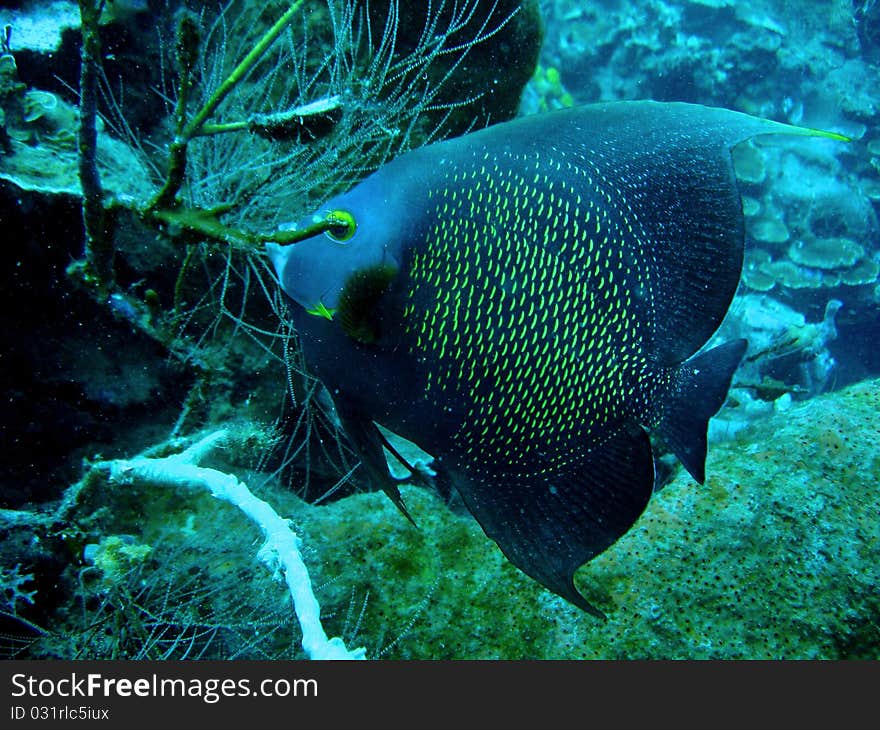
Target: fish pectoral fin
<point>549,524</point>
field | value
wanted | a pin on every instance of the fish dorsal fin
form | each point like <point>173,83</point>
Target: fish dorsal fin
<point>667,169</point>
<point>688,205</point>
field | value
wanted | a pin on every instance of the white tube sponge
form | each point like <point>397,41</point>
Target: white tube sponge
<point>281,549</point>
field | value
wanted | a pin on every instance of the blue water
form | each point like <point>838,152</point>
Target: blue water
<point>188,335</point>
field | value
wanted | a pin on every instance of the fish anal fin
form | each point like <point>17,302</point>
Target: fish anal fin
<point>552,521</point>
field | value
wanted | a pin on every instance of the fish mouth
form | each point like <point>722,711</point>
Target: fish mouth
<point>295,280</point>
<point>278,257</point>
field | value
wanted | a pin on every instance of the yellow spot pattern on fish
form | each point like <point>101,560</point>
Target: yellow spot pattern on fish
<point>526,311</point>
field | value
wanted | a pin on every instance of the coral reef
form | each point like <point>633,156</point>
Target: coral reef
<point>13,586</point>
<point>41,153</point>
<point>776,556</point>
<point>788,358</point>
<point>40,29</point>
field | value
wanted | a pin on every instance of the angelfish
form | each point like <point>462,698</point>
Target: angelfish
<point>527,303</point>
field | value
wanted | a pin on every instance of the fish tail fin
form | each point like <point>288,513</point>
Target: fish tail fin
<point>699,389</point>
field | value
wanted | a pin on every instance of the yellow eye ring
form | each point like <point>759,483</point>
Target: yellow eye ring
<point>342,225</point>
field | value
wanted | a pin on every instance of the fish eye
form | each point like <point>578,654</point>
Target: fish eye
<point>342,225</point>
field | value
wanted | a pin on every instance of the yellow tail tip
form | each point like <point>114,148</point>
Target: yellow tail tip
<point>827,134</point>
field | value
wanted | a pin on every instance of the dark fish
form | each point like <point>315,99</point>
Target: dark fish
<point>527,303</point>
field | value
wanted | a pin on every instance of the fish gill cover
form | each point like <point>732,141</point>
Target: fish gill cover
<point>537,309</point>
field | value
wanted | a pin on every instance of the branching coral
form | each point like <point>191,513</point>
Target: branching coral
<point>281,550</point>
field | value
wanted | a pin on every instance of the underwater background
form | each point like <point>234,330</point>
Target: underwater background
<point>162,322</point>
